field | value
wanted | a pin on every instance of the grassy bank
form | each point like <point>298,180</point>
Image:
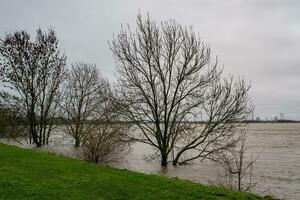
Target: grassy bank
<point>29,174</point>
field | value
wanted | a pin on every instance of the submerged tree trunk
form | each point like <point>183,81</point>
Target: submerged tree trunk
<point>164,161</point>
<point>164,158</point>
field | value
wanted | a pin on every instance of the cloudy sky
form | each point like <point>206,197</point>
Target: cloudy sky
<point>257,39</point>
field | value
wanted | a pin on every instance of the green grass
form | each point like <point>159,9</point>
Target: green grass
<point>29,174</point>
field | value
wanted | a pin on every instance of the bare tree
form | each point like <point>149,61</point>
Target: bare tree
<point>166,81</point>
<point>33,71</point>
<point>82,104</point>
<point>239,171</point>
<point>106,142</point>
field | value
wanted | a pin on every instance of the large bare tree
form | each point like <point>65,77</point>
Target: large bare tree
<point>85,94</point>
<point>167,81</point>
<point>33,72</point>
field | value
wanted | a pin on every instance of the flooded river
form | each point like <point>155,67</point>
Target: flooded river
<point>277,170</point>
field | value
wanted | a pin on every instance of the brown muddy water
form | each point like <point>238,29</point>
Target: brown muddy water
<point>277,171</point>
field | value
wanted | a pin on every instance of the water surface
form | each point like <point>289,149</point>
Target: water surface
<point>277,170</point>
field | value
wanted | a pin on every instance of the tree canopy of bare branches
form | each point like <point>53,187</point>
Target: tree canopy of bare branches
<point>166,81</point>
<point>107,141</point>
<point>85,95</point>
<point>33,72</point>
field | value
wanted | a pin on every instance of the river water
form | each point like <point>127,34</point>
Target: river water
<point>277,170</point>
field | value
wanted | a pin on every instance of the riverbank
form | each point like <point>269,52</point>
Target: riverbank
<point>29,174</point>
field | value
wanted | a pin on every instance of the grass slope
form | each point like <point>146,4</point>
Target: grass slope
<point>29,174</point>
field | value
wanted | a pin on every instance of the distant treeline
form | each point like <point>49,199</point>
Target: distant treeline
<point>272,121</point>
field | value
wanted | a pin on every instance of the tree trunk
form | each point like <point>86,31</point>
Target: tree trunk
<point>33,134</point>
<point>239,181</point>
<point>30,138</point>
<point>38,144</point>
<point>164,159</point>
<point>175,161</point>
<point>77,142</point>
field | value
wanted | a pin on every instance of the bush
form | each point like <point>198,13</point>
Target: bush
<point>106,142</point>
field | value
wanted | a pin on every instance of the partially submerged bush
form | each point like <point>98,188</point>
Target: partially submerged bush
<point>106,142</point>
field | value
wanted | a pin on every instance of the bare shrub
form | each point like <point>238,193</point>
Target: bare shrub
<point>12,121</point>
<point>238,171</point>
<point>106,142</point>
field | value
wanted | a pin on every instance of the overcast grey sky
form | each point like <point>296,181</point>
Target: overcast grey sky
<point>257,39</point>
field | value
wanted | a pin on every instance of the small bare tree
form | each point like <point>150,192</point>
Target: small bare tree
<point>33,71</point>
<point>239,171</point>
<point>107,140</point>
<point>166,81</point>
<point>85,92</point>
